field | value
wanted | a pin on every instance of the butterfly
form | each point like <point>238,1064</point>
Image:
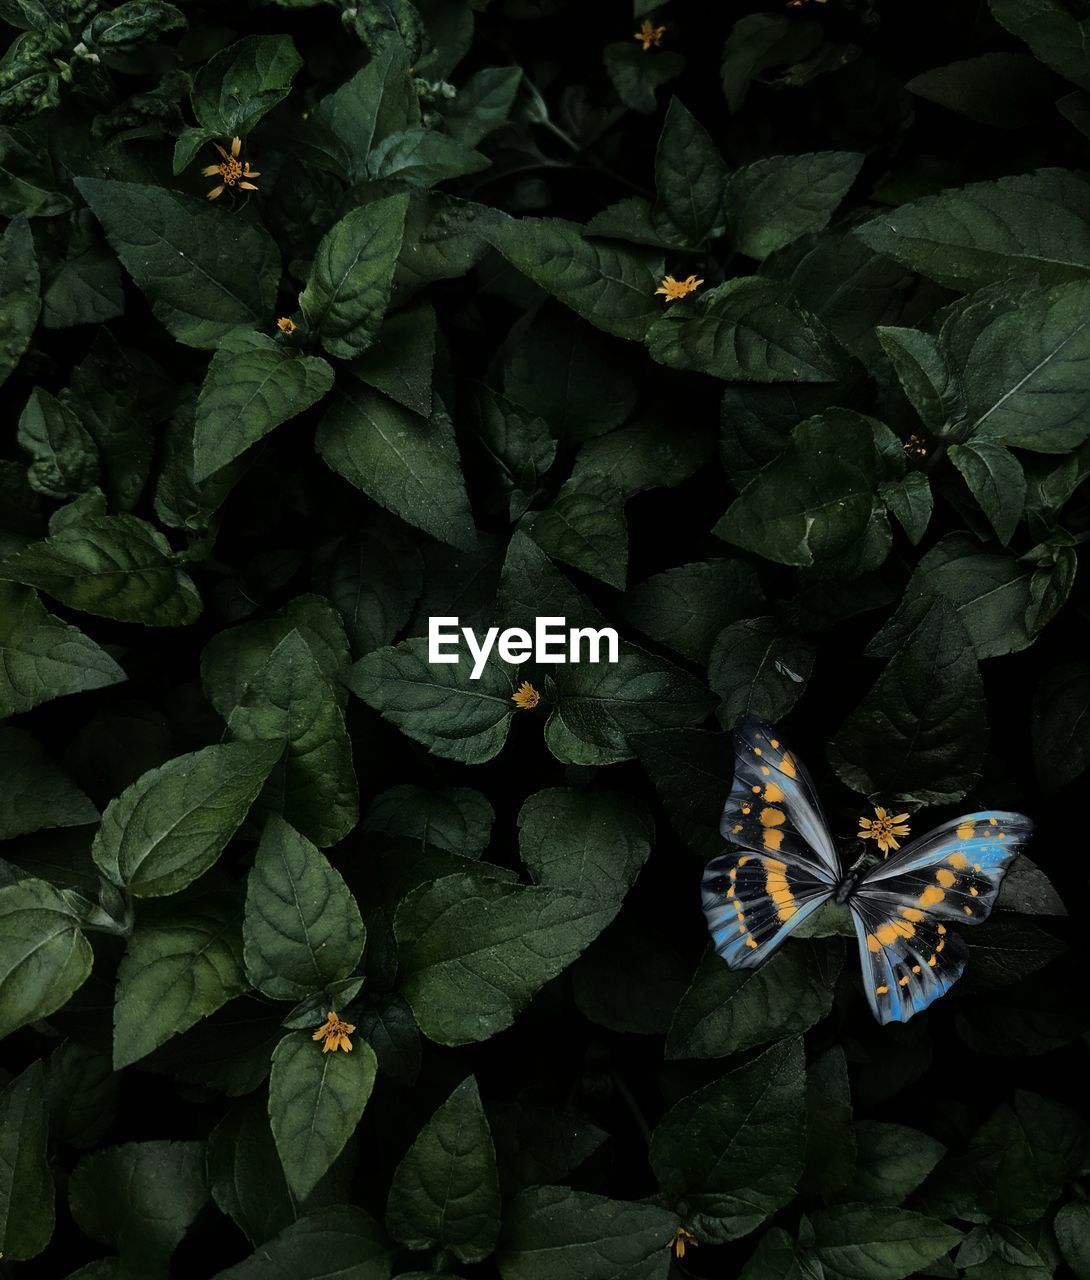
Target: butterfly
<point>902,909</point>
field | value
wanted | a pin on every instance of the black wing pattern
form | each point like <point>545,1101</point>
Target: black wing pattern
<point>787,865</point>
<point>902,909</point>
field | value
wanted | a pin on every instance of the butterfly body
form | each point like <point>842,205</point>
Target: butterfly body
<point>786,867</point>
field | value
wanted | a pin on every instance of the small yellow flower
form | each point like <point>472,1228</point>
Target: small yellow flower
<point>883,829</point>
<point>233,171</point>
<point>674,289</point>
<point>683,1240</point>
<point>526,697</point>
<point>914,446</point>
<point>336,1034</point>
<point>286,325</point>
<point>649,35</point>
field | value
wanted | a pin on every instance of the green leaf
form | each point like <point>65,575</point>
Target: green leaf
<point>177,969</point>
<point>758,667</point>
<point>246,1180</point>
<point>690,177</point>
<point>349,284</point>
<point>853,1242</point>
<point>230,267</point>
<point>517,448</point>
<point>407,464</point>
<point>140,1199</point>
<point>473,952</point>
<point>724,1012</point>
<point>1072,1227</point>
<point>748,329</point>
<point>116,391</point>
<point>830,1138</point>
<point>290,702</point>
<point>631,978</point>
<point>233,658</point>
<point>82,1092</point>
<point>536,1145</point>
<point>1026,366</point>
<point>925,377</point>
<point>643,455</point>
<point>252,386</point>
<point>445,1193</point>
<point>612,287</point>
<point>315,1102</point>
<point>990,592</point>
<point>85,287</point>
<point>688,769</point>
<point>19,285</point>
<point>585,527</point>
<point>483,104</point>
<point>892,1161</point>
<point>63,458</point>
<point>375,103</point>
<point>1061,725</point>
<point>26,1181</point>
<point>439,706</point>
<point>774,201</point>
<point>457,819</point>
<point>759,42</point>
<point>132,24</point>
<point>730,1154</point>
<point>373,577</point>
<point>1001,90</point>
<point>423,157</point>
<point>637,76</point>
<point>117,567</point>
<point>579,381</point>
<point>303,929</point>
<point>815,501</point>
<point>919,735</point>
<point>338,1243</point>
<point>39,793</point>
<point>600,708</point>
<point>911,503</point>
<point>41,657</point>
<point>551,1233</point>
<point>400,362</point>
<point>242,83</point>
<point>44,958</point>
<point>594,842</point>
<point>1035,224</point>
<point>1054,32</point>
<point>173,823</point>
<point>686,608</point>
<point>996,480</point>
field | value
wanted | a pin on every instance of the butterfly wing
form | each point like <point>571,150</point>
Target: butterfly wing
<point>787,866</point>
<point>902,909</point>
<point>752,901</point>
<point>773,807</point>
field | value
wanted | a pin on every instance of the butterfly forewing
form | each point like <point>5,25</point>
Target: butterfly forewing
<point>786,867</point>
<point>772,807</point>
<point>902,908</point>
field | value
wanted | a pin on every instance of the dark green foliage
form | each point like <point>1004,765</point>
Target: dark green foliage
<point>411,362</point>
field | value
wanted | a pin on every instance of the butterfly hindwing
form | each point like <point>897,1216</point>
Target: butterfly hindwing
<point>902,909</point>
<point>907,964</point>
<point>772,807</point>
<point>752,901</point>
